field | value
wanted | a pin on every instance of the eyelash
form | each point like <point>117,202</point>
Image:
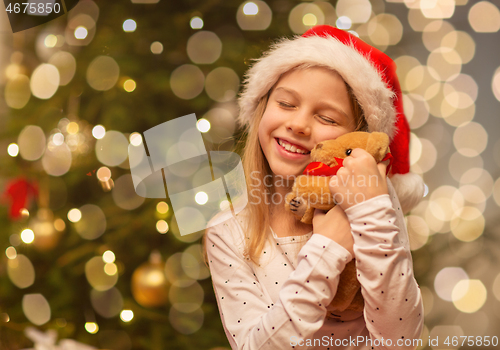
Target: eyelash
<point>284,104</point>
<point>326,120</point>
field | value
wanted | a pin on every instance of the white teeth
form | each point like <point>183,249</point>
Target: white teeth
<point>291,148</point>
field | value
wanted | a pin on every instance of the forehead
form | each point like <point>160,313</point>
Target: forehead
<point>306,72</point>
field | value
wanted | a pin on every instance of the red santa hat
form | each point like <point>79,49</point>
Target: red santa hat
<point>370,73</point>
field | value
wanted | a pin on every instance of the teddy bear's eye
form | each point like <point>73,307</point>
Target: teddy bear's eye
<point>348,152</point>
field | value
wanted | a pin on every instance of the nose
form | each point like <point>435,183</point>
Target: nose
<point>299,123</point>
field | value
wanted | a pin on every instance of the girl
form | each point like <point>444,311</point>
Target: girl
<point>273,276</point>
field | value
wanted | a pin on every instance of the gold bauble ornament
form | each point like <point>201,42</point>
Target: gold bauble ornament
<point>149,283</point>
<point>46,235</point>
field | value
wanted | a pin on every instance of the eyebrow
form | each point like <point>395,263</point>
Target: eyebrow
<point>323,104</point>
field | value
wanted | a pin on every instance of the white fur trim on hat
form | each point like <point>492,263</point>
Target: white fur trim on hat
<point>410,189</point>
<point>374,97</point>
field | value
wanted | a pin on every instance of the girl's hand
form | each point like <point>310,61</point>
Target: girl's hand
<point>360,179</point>
<point>334,225</point>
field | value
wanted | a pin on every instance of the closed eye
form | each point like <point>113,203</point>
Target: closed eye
<point>285,104</point>
<point>327,120</point>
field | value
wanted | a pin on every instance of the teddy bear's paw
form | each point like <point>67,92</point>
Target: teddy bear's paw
<point>297,205</point>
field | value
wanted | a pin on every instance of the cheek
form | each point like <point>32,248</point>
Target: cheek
<point>326,134</point>
<point>266,126</point>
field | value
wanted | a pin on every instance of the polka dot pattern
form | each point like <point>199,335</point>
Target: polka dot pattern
<point>288,292</point>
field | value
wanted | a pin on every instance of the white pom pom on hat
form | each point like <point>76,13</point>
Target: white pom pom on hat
<point>370,73</point>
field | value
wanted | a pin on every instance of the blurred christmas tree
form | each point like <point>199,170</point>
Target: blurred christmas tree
<point>87,259</point>
<point>84,255</point>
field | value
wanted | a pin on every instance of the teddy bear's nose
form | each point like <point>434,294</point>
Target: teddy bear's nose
<point>319,146</point>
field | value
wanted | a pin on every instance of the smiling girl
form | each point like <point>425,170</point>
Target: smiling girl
<point>274,277</point>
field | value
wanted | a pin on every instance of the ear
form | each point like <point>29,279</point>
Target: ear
<point>378,145</point>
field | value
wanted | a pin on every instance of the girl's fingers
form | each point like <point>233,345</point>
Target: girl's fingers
<point>382,168</point>
<point>319,213</point>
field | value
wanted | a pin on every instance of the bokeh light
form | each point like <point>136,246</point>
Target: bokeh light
<point>175,272</point>
<point>201,198</point>
<point>162,226</point>
<point>484,17</point>
<point>124,194</point>
<point>204,47</point>
<point>304,16</point>
<point>13,150</point>
<point>91,327</point>
<point>129,25</point>
<point>31,142</point>
<point>469,225</point>
<point>186,322</point>
<point>57,159</point>
<point>27,236</point>
<point>81,32</point>
<point>11,252</point>
<point>103,73</point>
<point>108,256</point>
<point>447,279</point>
<point>186,299</point>
<point>203,125</point>
<point>127,315</point>
<point>129,85</point>
<point>98,131</point>
<point>50,40</point>
<point>254,15</point>
<point>17,91</point>
<point>196,22</point>
<point>156,47</point>
<point>162,207</point>
<point>437,9</point>
<point>44,81</point>
<point>469,295</point>
<point>107,303</point>
<point>193,264</point>
<point>495,83</point>
<point>103,173</point>
<point>470,139</point>
<point>112,148</point>
<point>434,32</point>
<point>21,271</point>
<point>187,81</point>
<point>222,84</point>
<point>358,11</point>
<point>92,223</point>
<point>36,308</point>
<point>97,277</point>
<point>384,30</point>
<point>74,215</point>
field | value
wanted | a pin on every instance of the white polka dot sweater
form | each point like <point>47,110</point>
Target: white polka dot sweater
<point>282,303</point>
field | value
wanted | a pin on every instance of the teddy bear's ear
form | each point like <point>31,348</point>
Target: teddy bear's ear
<point>378,145</point>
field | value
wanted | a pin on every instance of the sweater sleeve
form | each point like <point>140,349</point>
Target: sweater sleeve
<point>249,317</point>
<point>393,304</point>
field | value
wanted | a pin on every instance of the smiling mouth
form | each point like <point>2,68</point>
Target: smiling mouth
<point>289,147</point>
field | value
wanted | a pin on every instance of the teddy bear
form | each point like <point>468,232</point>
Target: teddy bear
<point>311,191</point>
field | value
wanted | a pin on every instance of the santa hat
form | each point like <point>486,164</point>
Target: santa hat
<point>370,73</point>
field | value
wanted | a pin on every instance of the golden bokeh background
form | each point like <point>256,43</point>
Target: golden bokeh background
<point>78,93</point>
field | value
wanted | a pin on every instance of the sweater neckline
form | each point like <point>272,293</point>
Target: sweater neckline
<point>290,239</point>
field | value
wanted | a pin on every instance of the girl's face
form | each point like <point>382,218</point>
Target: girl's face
<point>305,107</point>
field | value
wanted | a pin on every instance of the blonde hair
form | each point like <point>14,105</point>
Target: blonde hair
<point>254,162</point>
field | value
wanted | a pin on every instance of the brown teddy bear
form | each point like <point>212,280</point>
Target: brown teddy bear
<point>311,191</point>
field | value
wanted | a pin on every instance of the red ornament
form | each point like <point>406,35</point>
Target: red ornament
<point>20,192</point>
